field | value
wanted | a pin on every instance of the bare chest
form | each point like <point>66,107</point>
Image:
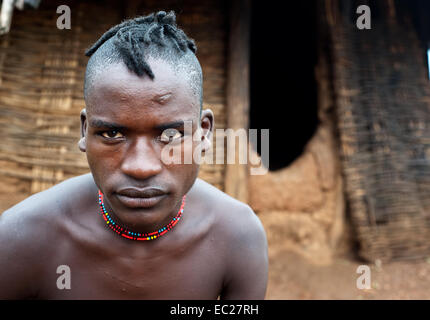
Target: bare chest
<point>192,273</point>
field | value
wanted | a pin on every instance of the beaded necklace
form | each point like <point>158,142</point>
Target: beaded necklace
<point>124,232</point>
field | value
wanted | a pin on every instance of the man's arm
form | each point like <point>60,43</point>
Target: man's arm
<point>247,259</point>
<point>19,265</point>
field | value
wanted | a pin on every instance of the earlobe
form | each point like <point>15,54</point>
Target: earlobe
<point>207,125</point>
<point>206,144</point>
<point>82,144</point>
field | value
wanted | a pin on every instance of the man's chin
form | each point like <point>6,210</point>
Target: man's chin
<point>141,219</point>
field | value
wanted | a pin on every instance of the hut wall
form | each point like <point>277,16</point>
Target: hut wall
<point>41,85</point>
<point>374,96</point>
<point>302,206</point>
<point>382,106</point>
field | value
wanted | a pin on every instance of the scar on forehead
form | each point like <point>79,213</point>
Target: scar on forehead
<point>162,98</point>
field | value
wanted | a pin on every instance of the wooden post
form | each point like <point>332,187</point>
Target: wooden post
<point>236,175</point>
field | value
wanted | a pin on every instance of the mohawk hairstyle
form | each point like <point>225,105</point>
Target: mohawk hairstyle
<point>133,40</point>
<point>131,36</point>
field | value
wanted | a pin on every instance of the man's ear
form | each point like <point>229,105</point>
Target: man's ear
<point>82,144</point>
<point>207,123</point>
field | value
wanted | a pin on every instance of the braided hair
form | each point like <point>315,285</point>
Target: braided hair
<point>134,40</point>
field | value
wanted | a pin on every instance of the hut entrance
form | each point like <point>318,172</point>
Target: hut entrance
<point>283,85</point>
<point>418,10</point>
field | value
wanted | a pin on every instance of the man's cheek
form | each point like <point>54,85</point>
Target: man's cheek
<point>174,153</point>
<point>99,163</point>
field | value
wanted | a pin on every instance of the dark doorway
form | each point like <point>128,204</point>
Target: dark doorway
<point>419,11</point>
<point>283,85</point>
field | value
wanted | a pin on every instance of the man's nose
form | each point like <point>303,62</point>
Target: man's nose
<point>141,161</point>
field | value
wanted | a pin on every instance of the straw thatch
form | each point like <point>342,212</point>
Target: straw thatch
<point>383,109</point>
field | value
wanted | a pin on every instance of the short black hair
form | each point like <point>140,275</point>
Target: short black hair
<point>134,40</point>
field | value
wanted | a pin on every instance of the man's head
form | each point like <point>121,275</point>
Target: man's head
<point>142,82</point>
<point>134,41</point>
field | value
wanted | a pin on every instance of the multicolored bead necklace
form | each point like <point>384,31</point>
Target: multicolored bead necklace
<point>122,231</point>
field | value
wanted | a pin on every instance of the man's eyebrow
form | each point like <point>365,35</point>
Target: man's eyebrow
<point>97,123</point>
<point>174,124</point>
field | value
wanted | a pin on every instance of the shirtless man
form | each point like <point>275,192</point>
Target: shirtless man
<point>142,82</point>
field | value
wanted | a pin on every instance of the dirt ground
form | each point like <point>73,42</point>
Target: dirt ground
<point>291,276</point>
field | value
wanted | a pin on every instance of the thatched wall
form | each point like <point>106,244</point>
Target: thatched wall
<point>383,109</point>
<point>41,84</point>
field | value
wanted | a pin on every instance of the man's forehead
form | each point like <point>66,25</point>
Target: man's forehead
<point>166,109</point>
<point>116,83</point>
<point>119,80</point>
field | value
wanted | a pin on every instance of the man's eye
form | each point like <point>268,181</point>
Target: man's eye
<point>112,134</point>
<point>169,135</point>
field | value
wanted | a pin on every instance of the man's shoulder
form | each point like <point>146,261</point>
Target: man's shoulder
<point>242,242</point>
<point>35,215</point>
<point>29,238</point>
<point>233,219</point>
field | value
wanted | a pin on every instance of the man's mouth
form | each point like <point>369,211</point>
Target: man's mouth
<point>140,198</point>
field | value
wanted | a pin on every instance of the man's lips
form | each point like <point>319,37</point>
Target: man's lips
<point>141,193</point>
<point>140,198</point>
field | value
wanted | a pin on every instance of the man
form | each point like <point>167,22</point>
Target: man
<point>136,227</point>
